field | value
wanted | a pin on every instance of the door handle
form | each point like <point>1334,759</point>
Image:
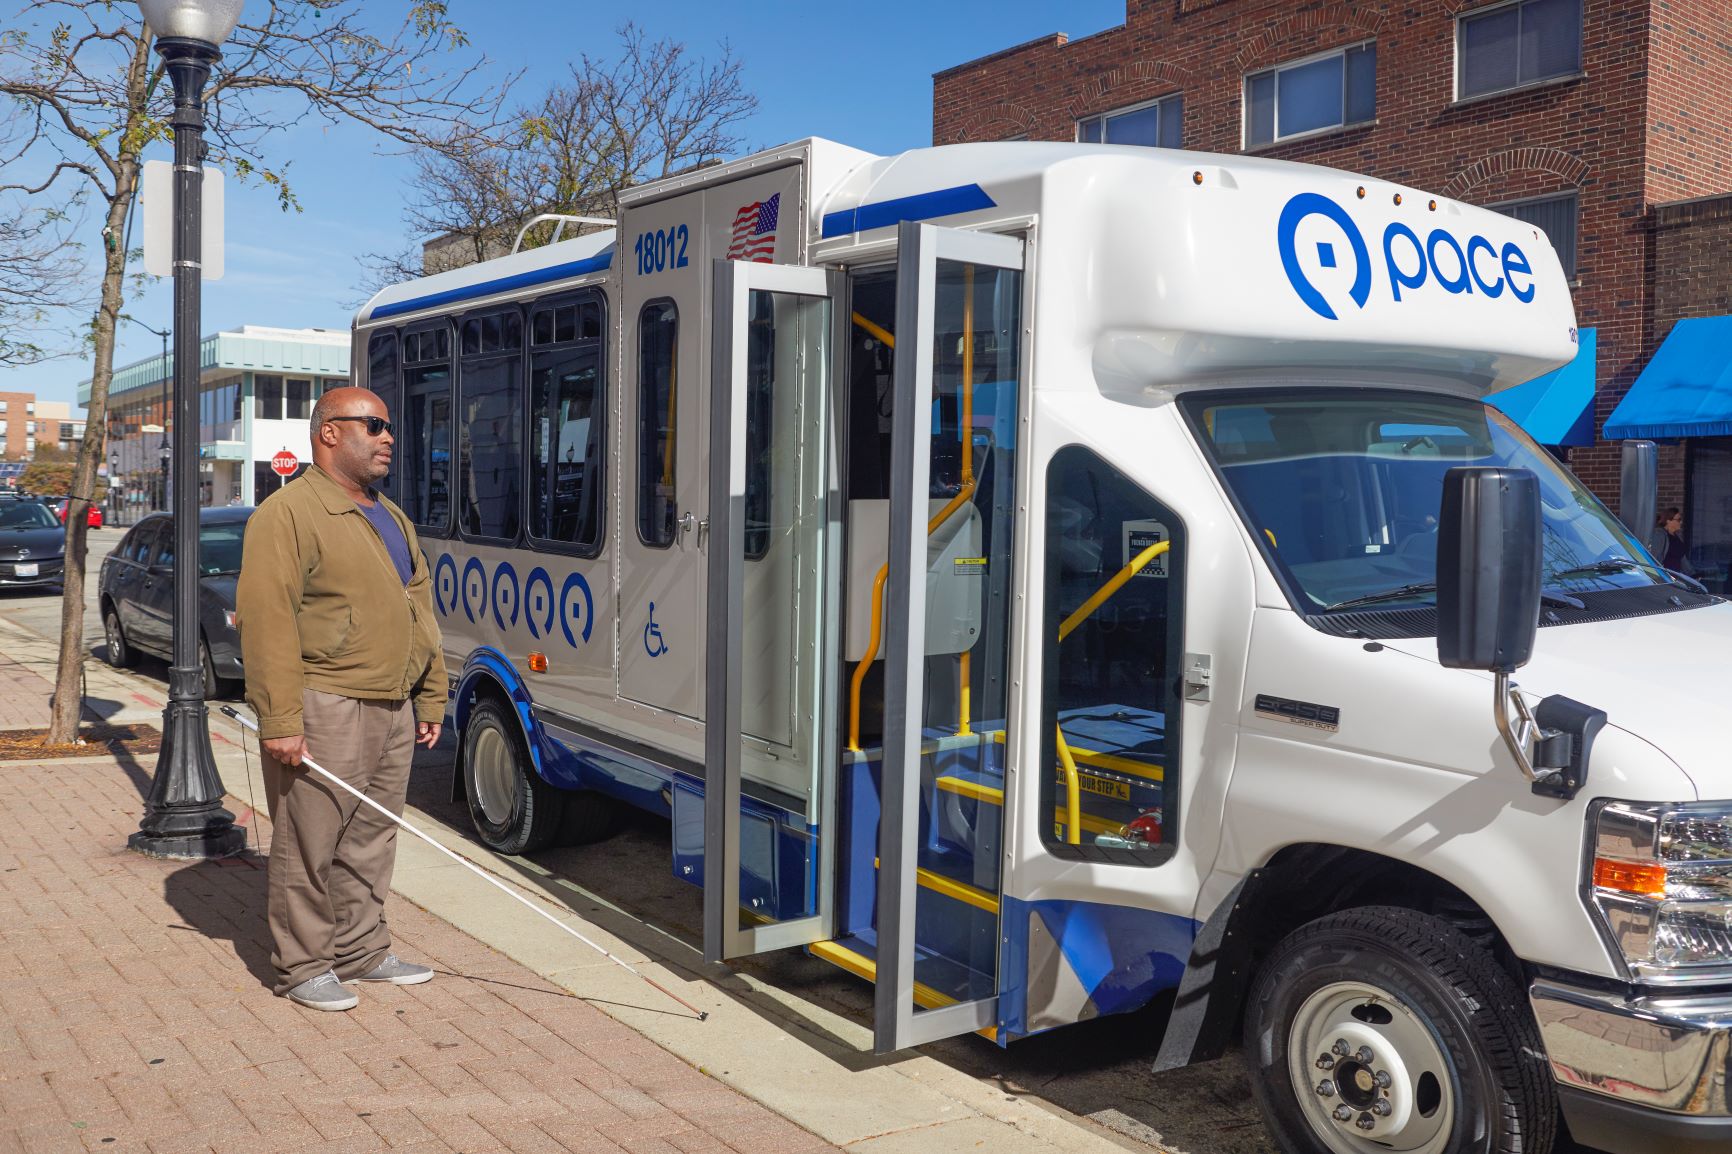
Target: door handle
<point>703,533</point>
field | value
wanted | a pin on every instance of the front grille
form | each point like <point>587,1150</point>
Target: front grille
<point>43,568</point>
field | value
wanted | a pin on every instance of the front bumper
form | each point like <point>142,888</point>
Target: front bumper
<point>1639,1075</point>
<point>48,572</point>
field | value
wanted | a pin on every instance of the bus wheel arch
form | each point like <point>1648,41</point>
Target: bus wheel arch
<point>1298,885</point>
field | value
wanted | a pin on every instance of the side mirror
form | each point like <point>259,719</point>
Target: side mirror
<point>1488,569</point>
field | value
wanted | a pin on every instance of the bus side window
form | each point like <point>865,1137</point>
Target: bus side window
<point>382,379</point>
<point>490,425</point>
<point>568,425</point>
<point>1114,636</point>
<point>658,397</point>
<point>424,445</point>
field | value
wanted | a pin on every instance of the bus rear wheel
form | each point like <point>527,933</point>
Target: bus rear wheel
<point>512,809</point>
<point>1385,1029</point>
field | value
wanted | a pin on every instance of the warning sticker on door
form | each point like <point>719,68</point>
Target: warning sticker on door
<point>970,566</point>
<point>1139,538</point>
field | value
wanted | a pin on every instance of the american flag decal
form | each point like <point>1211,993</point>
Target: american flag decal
<point>754,235</point>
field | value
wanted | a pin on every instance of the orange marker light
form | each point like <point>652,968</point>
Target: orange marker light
<point>1647,881</point>
<point>538,663</point>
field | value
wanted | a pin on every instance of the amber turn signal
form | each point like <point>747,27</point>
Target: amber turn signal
<point>538,663</point>
<point>1639,878</point>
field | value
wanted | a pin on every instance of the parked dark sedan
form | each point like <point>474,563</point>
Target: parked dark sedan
<point>137,593</point>
<point>32,545</point>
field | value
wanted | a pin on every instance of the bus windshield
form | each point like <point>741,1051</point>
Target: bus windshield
<point>1345,486</point>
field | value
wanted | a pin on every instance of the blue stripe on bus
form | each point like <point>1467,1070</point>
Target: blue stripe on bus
<point>596,263</point>
<point>922,206</point>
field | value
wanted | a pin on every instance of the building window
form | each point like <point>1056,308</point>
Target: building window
<point>658,346</point>
<point>1517,44</point>
<point>1154,125</point>
<point>268,398</point>
<point>1311,95</point>
<point>298,400</point>
<point>1556,217</point>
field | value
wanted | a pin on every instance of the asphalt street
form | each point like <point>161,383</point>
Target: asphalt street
<point>1097,1070</point>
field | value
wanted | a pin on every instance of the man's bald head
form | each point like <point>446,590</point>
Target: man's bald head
<point>342,446</point>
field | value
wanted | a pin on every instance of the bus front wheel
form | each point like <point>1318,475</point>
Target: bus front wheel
<point>512,809</point>
<point>1382,1028</point>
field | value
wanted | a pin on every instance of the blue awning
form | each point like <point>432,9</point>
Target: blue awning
<point>1557,408</point>
<point>1686,390</point>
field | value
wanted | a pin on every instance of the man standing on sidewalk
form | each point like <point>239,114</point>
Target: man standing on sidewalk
<point>343,663</point>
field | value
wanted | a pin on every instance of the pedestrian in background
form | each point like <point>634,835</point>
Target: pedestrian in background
<point>343,664</point>
<point>1667,543</point>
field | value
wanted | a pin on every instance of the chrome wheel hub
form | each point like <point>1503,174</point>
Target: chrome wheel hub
<point>494,772</point>
<point>1369,1073</point>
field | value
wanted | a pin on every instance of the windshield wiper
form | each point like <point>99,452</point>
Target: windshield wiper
<point>1608,565</point>
<point>1384,595</point>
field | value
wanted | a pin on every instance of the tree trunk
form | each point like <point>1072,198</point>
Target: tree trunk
<point>69,673</point>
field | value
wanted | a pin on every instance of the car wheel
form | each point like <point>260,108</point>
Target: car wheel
<point>512,809</point>
<point>1383,1029</point>
<point>118,652</point>
<point>211,684</point>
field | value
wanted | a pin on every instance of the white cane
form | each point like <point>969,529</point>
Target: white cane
<point>476,870</point>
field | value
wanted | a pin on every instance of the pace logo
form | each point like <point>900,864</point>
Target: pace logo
<point>1409,263</point>
<point>502,597</point>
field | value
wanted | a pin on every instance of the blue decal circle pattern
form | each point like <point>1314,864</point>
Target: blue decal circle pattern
<point>445,585</point>
<point>1308,204</point>
<point>479,587</point>
<point>538,602</point>
<point>505,595</point>
<point>570,608</point>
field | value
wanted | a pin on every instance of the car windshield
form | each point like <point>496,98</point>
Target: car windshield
<point>219,548</point>
<point>27,515</point>
<point>1345,487</point>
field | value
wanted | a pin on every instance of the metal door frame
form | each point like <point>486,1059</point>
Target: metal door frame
<point>723,937</point>
<point>919,249</point>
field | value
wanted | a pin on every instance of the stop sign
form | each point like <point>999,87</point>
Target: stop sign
<point>285,463</point>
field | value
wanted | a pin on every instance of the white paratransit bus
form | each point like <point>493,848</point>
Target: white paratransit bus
<point>1046,579</point>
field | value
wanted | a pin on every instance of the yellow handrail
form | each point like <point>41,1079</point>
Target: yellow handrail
<point>1116,583</point>
<point>1072,786</point>
<point>876,330</point>
<point>964,667</point>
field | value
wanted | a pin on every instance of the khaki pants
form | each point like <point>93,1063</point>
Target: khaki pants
<point>331,856</point>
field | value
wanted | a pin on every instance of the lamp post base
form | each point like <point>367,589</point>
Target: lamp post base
<point>183,814</point>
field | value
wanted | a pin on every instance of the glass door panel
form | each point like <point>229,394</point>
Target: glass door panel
<point>958,385</point>
<point>774,532</point>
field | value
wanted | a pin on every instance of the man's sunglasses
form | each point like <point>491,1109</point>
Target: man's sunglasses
<point>375,425</point>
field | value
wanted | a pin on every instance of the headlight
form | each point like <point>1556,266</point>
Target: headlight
<point>1662,885</point>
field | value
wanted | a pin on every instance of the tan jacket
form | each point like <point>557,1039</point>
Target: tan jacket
<point>319,605</point>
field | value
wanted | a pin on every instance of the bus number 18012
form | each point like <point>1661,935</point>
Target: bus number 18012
<point>660,249</point>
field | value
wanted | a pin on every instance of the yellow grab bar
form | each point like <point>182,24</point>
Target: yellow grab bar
<point>876,330</point>
<point>871,653</point>
<point>1072,792</point>
<point>964,668</point>
<point>1072,786</point>
<point>1112,586</point>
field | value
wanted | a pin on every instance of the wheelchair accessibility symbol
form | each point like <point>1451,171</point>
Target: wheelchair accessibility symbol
<point>652,635</point>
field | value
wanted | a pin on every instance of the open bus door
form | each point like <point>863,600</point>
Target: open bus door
<point>774,557</point>
<point>948,623</point>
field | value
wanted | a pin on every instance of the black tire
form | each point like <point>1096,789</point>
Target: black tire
<point>1442,1002</point>
<point>117,650</point>
<point>512,809</point>
<point>210,684</point>
<point>588,817</point>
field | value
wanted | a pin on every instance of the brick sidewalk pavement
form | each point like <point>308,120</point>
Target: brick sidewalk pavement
<point>134,1016</point>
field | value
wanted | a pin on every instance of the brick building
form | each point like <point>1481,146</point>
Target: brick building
<point>17,426</point>
<point>1581,116</point>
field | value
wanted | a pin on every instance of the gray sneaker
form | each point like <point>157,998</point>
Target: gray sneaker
<point>324,992</point>
<point>396,971</point>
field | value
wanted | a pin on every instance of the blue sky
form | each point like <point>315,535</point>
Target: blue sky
<point>860,75</point>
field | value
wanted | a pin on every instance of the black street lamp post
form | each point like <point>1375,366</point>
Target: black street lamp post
<point>183,816</point>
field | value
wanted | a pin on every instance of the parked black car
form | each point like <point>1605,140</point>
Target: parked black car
<point>137,593</point>
<point>32,545</point>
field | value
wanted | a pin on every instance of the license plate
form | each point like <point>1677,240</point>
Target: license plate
<point>27,569</point>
